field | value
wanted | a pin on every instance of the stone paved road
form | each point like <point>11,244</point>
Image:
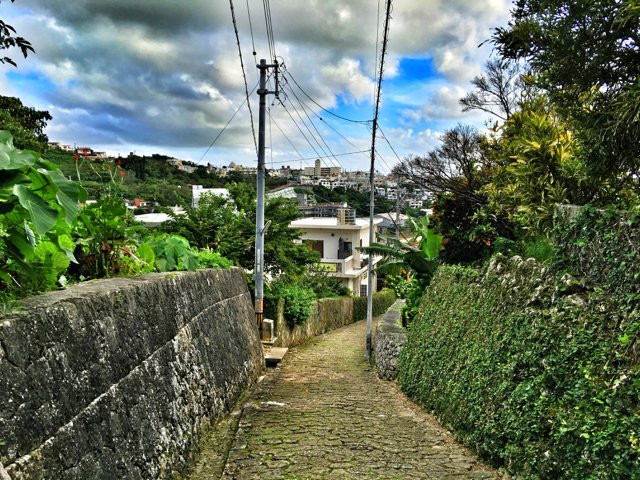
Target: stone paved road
<point>325,414</point>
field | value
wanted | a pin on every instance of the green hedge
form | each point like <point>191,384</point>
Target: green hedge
<point>530,370</point>
<point>382,300</point>
<point>602,245</point>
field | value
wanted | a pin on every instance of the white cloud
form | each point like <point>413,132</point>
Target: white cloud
<point>163,73</point>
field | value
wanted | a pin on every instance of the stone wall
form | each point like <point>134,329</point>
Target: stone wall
<point>117,378</point>
<point>389,340</point>
<point>328,314</point>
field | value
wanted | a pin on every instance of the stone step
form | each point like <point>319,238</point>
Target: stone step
<point>274,355</point>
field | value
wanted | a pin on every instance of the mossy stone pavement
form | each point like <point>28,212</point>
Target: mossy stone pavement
<point>325,414</point>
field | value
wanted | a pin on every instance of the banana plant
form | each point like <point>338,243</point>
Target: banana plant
<point>418,256</point>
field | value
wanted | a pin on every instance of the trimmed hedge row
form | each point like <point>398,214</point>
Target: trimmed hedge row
<point>530,369</point>
<point>382,300</point>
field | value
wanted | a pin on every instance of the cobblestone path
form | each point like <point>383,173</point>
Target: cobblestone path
<point>325,414</point>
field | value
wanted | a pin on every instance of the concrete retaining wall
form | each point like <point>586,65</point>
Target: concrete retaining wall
<point>389,340</point>
<point>118,378</point>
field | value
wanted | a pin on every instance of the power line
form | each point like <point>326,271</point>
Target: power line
<point>389,143</point>
<point>333,128</point>
<point>302,105</point>
<point>244,75</point>
<point>304,159</point>
<point>226,125</point>
<point>298,126</point>
<point>269,28</point>
<point>253,43</point>
<point>287,72</point>
<point>284,134</point>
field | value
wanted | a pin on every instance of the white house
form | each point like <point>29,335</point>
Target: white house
<point>337,240</point>
<point>197,191</point>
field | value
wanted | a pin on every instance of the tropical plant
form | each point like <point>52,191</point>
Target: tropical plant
<point>210,259</point>
<point>206,225</point>
<point>104,232</point>
<point>598,39</point>
<point>420,259</point>
<point>9,39</point>
<point>38,205</point>
<point>537,168</point>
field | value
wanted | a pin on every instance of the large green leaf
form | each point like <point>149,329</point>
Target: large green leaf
<point>67,246</point>
<point>145,253</point>
<point>43,217</point>
<point>69,195</point>
<point>191,261</point>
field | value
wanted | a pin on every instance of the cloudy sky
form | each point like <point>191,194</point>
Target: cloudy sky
<point>164,75</point>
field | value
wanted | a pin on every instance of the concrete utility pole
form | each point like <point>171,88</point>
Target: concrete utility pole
<point>261,171</point>
<point>371,236</point>
<point>399,199</point>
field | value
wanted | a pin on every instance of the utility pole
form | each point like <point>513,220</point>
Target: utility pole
<point>371,236</point>
<point>372,179</point>
<point>399,199</point>
<point>260,227</point>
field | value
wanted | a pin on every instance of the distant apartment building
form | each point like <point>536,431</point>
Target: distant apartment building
<point>61,146</point>
<point>336,239</point>
<point>319,171</point>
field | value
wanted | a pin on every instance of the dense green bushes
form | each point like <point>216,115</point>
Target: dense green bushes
<point>530,369</point>
<point>382,300</point>
<point>603,245</point>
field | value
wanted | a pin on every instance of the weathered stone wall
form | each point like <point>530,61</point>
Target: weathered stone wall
<point>118,378</point>
<point>389,340</point>
<point>328,314</point>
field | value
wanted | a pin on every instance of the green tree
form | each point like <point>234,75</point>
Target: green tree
<point>283,254</point>
<point>586,55</point>
<point>206,225</point>
<point>418,257</point>
<point>9,39</point>
<point>26,124</point>
<point>537,167</point>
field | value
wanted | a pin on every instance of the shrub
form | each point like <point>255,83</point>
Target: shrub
<point>298,302</point>
<point>172,252</point>
<point>210,259</point>
<point>529,369</point>
<point>382,300</point>
<point>541,249</point>
<point>324,286</point>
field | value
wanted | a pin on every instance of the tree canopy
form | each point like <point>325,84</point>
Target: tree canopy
<point>586,56</point>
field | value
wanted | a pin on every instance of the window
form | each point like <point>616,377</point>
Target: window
<point>315,245</point>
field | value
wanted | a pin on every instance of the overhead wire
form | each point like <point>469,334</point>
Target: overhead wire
<point>357,152</point>
<point>244,75</point>
<point>213,142</point>
<point>302,106</point>
<point>342,136</point>
<point>253,42</point>
<point>298,126</point>
<point>389,143</point>
<point>288,73</point>
<point>269,29</point>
